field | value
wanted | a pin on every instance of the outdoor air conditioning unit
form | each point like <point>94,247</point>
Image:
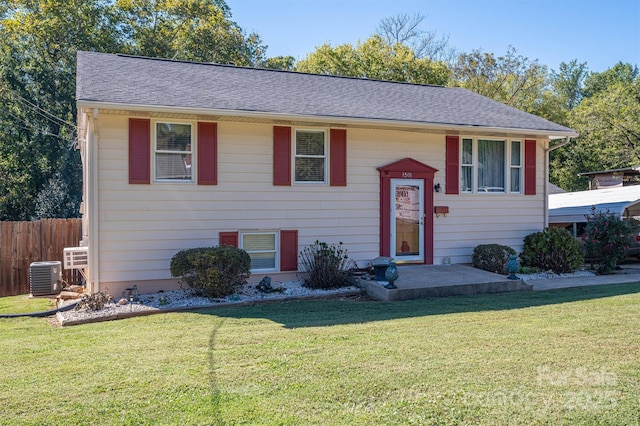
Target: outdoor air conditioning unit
<point>76,257</point>
<point>45,278</point>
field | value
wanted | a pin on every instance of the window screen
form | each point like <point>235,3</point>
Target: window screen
<point>516,166</point>
<point>467,165</point>
<point>173,151</point>
<point>261,247</point>
<point>310,156</point>
<point>491,167</point>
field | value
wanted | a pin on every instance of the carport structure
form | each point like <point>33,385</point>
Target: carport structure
<point>572,208</point>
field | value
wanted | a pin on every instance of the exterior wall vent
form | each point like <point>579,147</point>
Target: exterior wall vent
<point>45,278</point>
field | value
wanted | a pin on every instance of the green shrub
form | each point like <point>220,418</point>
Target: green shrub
<point>607,239</point>
<point>492,257</point>
<point>325,265</point>
<point>212,271</point>
<point>528,270</point>
<point>553,249</point>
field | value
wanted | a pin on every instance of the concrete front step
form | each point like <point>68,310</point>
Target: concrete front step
<point>422,281</point>
<point>378,291</point>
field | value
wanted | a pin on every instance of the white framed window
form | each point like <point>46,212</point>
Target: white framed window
<point>173,152</point>
<point>262,247</point>
<point>515,170</point>
<point>491,165</point>
<point>466,165</point>
<point>310,159</point>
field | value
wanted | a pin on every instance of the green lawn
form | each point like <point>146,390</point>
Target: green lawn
<point>557,357</point>
<point>24,304</point>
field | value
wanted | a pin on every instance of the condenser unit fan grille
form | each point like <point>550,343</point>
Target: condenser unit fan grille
<point>44,278</point>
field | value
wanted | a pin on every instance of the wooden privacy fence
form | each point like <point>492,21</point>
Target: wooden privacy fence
<point>22,243</point>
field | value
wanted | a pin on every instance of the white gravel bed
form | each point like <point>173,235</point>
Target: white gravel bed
<point>551,275</point>
<point>184,299</point>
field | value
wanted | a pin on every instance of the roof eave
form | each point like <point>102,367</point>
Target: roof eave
<point>551,134</point>
<point>624,169</point>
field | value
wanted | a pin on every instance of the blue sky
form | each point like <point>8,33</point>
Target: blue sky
<point>600,33</point>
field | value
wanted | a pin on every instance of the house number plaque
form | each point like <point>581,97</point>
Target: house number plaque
<point>407,175</point>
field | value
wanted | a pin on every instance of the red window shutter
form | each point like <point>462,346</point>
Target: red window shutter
<point>281,155</point>
<point>289,250</point>
<point>207,154</point>
<point>452,165</point>
<point>139,151</point>
<point>338,157</point>
<point>229,239</point>
<point>529,167</point>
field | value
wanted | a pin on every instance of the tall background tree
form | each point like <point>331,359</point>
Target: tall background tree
<point>40,171</point>
<point>399,50</point>
<point>37,88</point>
<point>190,30</point>
<point>568,83</point>
<point>39,167</point>
<point>511,79</point>
<point>405,29</point>
<point>374,59</point>
<point>608,119</point>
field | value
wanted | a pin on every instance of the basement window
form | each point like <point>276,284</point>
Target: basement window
<point>262,248</point>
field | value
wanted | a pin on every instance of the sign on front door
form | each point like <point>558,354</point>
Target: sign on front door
<point>407,224</point>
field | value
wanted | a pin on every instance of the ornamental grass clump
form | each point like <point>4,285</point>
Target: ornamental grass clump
<point>607,239</point>
<point>325,266</point>
<point>212,271</point>
<point>553,249</point>
<point>492,257</point>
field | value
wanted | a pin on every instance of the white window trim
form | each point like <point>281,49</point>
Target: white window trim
<point>519,167</point>
<point>276,235</point>
<point>154,141</point>
<point>472,165</point>
<point>325,156</point>
<point>507,165</point>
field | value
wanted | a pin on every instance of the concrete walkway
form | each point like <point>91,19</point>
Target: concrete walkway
<point>627,274</point>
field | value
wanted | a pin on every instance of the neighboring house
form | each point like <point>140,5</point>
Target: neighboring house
<point>179,155</point>
<point>570,209</point>
<point>614,178</point>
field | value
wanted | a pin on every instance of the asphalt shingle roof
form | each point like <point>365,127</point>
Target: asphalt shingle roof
<point>128,80</point>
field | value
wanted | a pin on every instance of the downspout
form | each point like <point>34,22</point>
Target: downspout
<point>92,210</point>
<point>546,178</point>
<point>83,128</point>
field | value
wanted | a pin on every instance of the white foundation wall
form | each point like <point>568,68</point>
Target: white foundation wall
<point>142,226</point>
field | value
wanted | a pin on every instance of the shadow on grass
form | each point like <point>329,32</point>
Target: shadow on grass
<point>213,377</point>
<point>320,313</point>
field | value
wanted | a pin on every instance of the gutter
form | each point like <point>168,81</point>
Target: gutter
<point>561,144</point>
<point>325,119</point>
<point>90,197</point>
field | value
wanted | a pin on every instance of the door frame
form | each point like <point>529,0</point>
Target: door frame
<point>418,258</point>
<point>407,168</point>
